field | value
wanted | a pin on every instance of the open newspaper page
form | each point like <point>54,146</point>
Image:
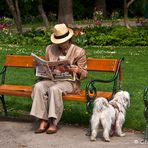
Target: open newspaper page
<point>57,70</point>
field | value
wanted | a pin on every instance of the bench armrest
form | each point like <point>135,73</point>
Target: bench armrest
<point>2,70</point>
<point>91,89</point>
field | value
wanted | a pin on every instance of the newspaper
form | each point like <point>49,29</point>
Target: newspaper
<point>54,70</point>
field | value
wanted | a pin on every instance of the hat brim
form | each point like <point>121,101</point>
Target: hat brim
<point>59,41</point>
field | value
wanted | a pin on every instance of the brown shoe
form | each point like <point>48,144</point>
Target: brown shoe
<point>51,131</point>
<point>39,131</point>
<point>42,128</point>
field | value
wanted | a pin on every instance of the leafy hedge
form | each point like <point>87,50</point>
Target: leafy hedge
<point>116,36</point>
<point>34,37</point>
<point>98,35</point>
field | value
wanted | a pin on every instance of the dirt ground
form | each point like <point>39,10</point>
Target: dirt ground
<point>21,135</point>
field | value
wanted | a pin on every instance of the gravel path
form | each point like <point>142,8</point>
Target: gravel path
<point>21,135</point>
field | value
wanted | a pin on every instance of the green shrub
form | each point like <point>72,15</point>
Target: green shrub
<point>116,36</point>
<point>97,35</point>
<point>34,37</point>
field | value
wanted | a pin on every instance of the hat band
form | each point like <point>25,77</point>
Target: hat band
<point>62,36</point>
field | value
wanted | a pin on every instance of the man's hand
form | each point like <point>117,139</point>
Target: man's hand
<point>34,63</point>
<point>74,68</point>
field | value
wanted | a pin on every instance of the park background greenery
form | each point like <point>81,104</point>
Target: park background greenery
<point>99,42</point>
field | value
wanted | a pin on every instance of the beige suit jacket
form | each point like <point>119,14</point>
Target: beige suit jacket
<point>75,54</point>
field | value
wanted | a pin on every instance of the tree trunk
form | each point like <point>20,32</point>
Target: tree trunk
<point>14,9</point>
<point>100,5</point>
<point>126,6</point>
<point>65,14</point>
<point>146,9</point>
<point>42,12</point>
<point>18,14</point>
<point>126,14</point>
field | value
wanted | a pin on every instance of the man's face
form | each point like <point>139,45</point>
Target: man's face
<point>64,46</point>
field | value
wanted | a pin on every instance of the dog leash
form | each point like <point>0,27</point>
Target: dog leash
<point>117,112</point>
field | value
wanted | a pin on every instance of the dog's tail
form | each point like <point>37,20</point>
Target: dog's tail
<point>100,104</point>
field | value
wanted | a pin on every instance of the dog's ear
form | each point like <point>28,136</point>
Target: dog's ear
<point>129,103</point>
<point>127,98</point>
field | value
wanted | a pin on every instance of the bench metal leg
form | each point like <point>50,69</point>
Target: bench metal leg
<point>4,104</point>
<point>88,133</point>
<point>89,110</point>
<point>146,113</point>
<point>146,132</point>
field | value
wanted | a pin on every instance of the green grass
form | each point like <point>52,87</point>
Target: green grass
<point>134,68</point>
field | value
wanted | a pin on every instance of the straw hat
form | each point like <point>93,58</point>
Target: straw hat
<point>61,34</point>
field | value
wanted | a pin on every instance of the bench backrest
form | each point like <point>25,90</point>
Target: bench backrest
<point>93,64</point>
<point>18,61</point>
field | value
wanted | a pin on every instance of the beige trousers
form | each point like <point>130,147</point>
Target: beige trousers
<point>47,99</point>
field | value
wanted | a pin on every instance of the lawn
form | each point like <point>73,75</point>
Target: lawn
<point>135,71</point>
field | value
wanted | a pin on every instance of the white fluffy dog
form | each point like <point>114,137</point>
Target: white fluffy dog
<point>111,115</point>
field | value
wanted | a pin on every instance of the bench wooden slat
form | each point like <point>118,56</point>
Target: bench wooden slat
<point>15,90</point>
<point>82,97</point>
<point>107,65</point>
<point>25,91</point>
<point>18,61</point>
